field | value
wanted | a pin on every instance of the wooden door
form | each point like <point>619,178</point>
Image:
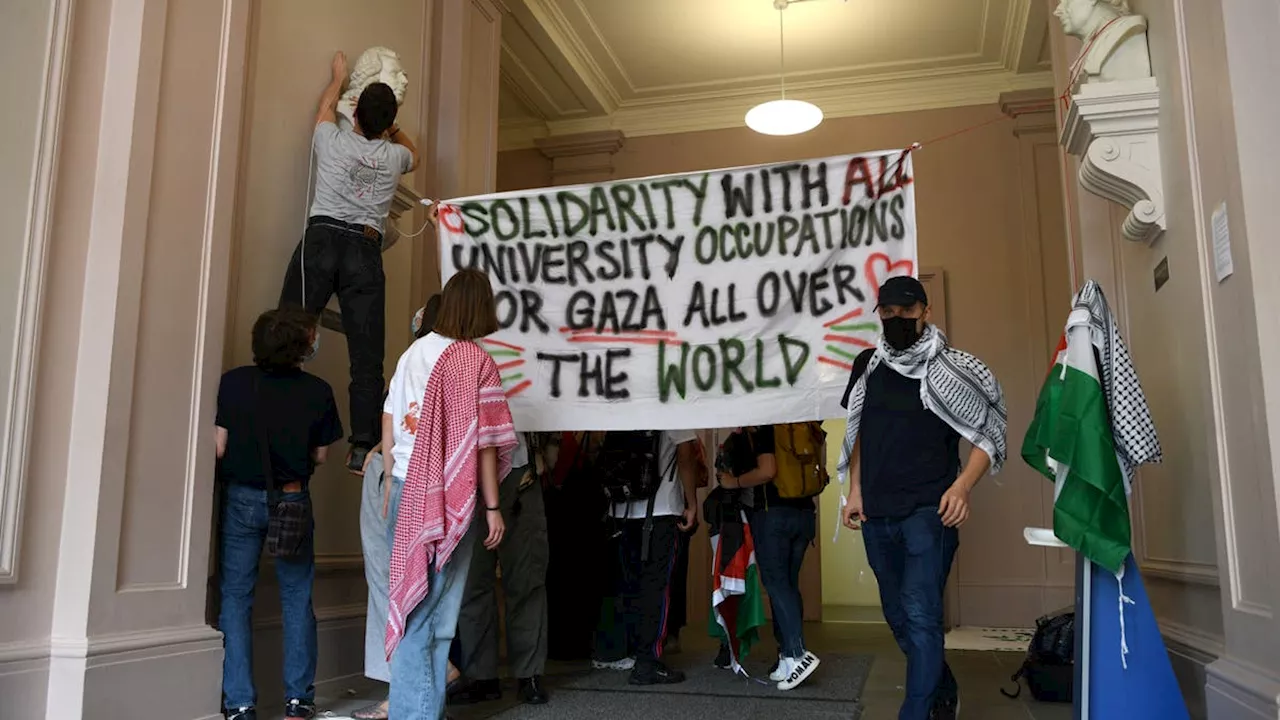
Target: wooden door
<point>935,285</point>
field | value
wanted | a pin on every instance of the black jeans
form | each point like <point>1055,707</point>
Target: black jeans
<point>642,600</point>
<point>344,261</point>
<point>680,587</point>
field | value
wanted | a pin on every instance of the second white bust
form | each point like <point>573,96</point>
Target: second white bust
<point>1115,40</point>
<point>377,64</point>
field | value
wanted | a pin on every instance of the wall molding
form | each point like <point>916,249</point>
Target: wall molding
<point>327,616</point>
<point>81,648</point>
<point>22,382</point>
<point>1180,571</point>
<point>1194,643</point>
<point>23,651</point>
<point>127,642</point>
<point>717,110</point>
<point>1235,687</point>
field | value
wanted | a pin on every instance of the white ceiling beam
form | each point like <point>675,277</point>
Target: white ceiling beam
<point>1025,35</point>
<point>553,36</point>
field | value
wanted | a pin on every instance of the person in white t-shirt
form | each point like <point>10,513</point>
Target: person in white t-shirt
<point>634,639</point>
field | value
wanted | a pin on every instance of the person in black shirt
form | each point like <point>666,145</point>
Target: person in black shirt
<point>907,490</point>
<point>783,529</point>
<point>297,414</point>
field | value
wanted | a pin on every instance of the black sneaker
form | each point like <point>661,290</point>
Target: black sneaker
<point>532,692</point>
<point>945,710</point>
<point>242,713</point>
<point>655,674</point>
<point>476,691</point>
<point>299,708</point>
<point>723,660</point>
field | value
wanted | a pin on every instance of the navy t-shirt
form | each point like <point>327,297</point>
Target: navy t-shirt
<point>909,455</point>
<point>298,412</point>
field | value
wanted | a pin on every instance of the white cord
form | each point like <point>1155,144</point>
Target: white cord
<point>420,230</point>
<point>306,216</point>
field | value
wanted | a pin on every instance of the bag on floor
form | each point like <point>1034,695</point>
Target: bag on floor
<point>627,465</point>
<point>800,451</point>
<point>1050,665</point>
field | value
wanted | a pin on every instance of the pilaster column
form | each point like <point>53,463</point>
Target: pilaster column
<point>581,158</point>
<point>462,45</point>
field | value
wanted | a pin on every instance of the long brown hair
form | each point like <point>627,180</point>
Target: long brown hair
<point>467,307</point>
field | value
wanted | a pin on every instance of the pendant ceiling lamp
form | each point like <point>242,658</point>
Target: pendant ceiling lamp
<point>783,116</point>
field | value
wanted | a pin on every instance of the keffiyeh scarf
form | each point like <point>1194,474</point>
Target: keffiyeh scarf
<point>1131,425</point>
<point>954,385</point>
<point>464,410</point>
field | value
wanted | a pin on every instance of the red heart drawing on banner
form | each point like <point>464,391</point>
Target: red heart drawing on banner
<point>890,269</point>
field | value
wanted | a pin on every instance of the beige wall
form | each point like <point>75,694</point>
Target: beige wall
<point>117,512</point>
<point>1205,521</point>
<point>447,49</point>
<point>151,195</point>
<point>972,226</point>
<point>288,69</point>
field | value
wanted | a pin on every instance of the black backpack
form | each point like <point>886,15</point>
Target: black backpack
<point>627,465</point>
<point>1050,665</point>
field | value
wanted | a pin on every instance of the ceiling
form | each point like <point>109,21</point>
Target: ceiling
<point>659,66</point>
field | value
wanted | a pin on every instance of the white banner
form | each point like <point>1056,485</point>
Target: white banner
<point>711,299</point>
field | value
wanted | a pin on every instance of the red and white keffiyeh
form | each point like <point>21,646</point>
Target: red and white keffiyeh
<point>463,411</point>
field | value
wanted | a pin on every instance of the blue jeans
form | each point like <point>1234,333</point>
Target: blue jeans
<point>911,558</point>
<point>420,665</point>
<point>374,540</point>
<point>782,534</point>
<point>244,530</point>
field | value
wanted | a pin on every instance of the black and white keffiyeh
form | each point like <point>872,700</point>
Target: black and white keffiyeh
<point>954,385</point>
<point>1131,425</point>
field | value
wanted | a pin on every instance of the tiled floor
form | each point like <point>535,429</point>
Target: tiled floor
<point>981,675</point>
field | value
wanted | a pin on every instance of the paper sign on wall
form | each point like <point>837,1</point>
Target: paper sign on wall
<point>711,299</point>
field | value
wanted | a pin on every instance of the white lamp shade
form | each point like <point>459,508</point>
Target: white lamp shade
<point>784,117</point>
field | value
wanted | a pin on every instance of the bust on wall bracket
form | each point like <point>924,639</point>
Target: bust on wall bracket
<point>377,64</point>
<point>1112,123</point>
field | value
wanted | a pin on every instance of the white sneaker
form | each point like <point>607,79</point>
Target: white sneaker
<point>620,665</point>
<point>780,671</point>
<point>798,670</point>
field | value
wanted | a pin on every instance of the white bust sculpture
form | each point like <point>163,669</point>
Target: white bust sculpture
<point>377,64</point>
<point>1115,40</point>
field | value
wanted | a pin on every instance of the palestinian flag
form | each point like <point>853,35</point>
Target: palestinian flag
<point>1071,441</point>
<point>737,603</point>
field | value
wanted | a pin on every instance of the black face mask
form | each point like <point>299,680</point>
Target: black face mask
<point>901,332</point>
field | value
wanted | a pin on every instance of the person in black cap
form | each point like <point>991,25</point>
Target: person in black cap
<point>908,492</point>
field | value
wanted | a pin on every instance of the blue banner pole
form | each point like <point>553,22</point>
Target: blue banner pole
<point>1127,674</point>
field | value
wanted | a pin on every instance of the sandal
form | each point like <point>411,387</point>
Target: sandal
<point>376,711</point>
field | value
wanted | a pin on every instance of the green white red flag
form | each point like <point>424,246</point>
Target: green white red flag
<point>1071,441</point>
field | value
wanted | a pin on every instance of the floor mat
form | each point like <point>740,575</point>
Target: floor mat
<point>604,705</point>
<point>989,639</point>
<point>839,678</point>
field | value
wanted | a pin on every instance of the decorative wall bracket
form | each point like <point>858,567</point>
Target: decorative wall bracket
<point>1113,127</point>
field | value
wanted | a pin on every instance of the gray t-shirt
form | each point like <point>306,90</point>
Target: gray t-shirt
<point>356,177</point>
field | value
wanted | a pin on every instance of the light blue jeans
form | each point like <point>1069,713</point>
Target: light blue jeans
<point>420,665</point>
<point>375,533</point>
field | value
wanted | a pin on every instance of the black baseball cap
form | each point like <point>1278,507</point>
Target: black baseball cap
<point>902,291</point>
